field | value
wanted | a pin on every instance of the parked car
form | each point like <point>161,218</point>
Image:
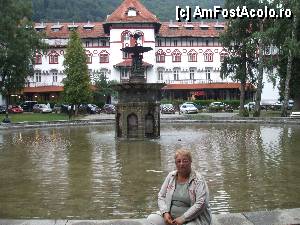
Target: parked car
<point>278,105</point>
<point>250,106</point>
<point>41,108</point>
<point>228,108</point>
<point>14,109</point>
<point>109,109</point>
<point>199,107</point>
<point>167,108</point>
<point>216,106</point>
<point>60,108</point>
<point>93,109</point>
<point>89,108</point>
<point>27,106</point>
<point>188,108</point>
<point>2,109</point>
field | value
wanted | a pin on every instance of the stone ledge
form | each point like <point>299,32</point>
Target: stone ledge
<point>83,122</point>
<point>275,217</point>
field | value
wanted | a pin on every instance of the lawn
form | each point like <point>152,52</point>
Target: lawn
<point>32,117</point>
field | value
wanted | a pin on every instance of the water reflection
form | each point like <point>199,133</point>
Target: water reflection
<point>84,172</point>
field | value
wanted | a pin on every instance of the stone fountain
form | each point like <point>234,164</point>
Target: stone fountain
<point>138,108</point>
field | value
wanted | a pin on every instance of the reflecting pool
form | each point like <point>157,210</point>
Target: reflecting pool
<point>83,172</point>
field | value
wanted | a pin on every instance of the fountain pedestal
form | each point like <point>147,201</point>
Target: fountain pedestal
<point>138,108</point>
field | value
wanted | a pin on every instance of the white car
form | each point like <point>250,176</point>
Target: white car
<point>249,106</point>
<point>188,108</point>
<point>41,108</point>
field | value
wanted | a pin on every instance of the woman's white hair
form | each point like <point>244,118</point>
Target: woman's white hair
<point>183,152</point>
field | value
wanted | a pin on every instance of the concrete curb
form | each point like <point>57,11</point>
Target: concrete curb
<point>84,122</point>
<point>275,217</point>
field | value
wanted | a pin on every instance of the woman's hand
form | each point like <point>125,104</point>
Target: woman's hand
<point>168,218</point>
<point>178,221</point>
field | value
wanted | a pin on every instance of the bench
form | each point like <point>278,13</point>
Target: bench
<point>295,115</point>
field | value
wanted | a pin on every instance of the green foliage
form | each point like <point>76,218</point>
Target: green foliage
<point>176,102</point>
<point>34,117</point>
<point>104,89</point>
<point>238,39</point>
<point>18,44</point>
<point>97,10</point>
<point>77,82</point>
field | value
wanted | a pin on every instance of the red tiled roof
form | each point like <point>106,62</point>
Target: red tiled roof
<point>204,86</point>
<point>164,31</point>
<point>182,31</point>
<point>46,89</point>
<point>43,89</point>
<point>143,14</point>
<point>128,63</point>
<point>64,32</point>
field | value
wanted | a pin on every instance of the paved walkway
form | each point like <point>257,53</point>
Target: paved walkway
<point>276,217</point>
<point>163,116</point>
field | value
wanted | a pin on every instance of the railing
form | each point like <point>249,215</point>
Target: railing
<point>42,84</point>
<point>192,81</point>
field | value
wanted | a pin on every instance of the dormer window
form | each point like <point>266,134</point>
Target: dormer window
<point>39,28</point>
<point>204,27</point>
<point>189,26</point>
<point>88,26</point>
<point>72,26</point>
<point>132,12</point>
<point>219,27</point>
<point>173,26</point>
<point>57,27</point>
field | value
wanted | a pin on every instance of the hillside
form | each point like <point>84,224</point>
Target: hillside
<point>97,10</point>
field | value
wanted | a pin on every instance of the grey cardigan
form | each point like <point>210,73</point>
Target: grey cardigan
<point>199,195</point>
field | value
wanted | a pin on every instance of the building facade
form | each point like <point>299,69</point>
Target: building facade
<point>185,56</point>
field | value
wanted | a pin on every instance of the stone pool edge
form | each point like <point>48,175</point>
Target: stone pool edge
<point>84,122</point>
<point>275,217</point>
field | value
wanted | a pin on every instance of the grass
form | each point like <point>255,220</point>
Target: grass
<point>33,117</point>
<point>197,116</point>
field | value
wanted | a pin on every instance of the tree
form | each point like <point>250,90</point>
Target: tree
<point>285,35</point>
<point>104,89</point>
<point>18,45</point>
<point>77,87</point>
<point>237,39</point>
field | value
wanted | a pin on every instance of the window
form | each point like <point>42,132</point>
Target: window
<point>176,74</point>
<point>192,73</point>
<point>103,43</point>
<point>223,55</point>
<point>206,42</point>
<point>38,76</point>
<point>208,72</point>
<point>53,57</point>
<point>104,57</point>
<point>208,56</point>
<point>89,58</point>
<point>126,55</point>
<point>191,42</point>
<point>54,76</point>
<point>131,12</point>
<point>87,44</point>
<point>37,59</point>
<point>160,75</point>
<point>176,56</point>
<point>192,56</point>
<point>159,42</point>
<point>175,43</point>
<point>124,73</point>
<point>160,56</point>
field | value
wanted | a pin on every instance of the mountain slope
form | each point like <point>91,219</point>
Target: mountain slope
<point>97,10</point>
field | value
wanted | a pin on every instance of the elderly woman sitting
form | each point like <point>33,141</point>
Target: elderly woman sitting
<point>183,197</point>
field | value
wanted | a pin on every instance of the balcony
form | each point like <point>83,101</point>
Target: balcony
<point>43,84</point>
<point>192,81</point>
